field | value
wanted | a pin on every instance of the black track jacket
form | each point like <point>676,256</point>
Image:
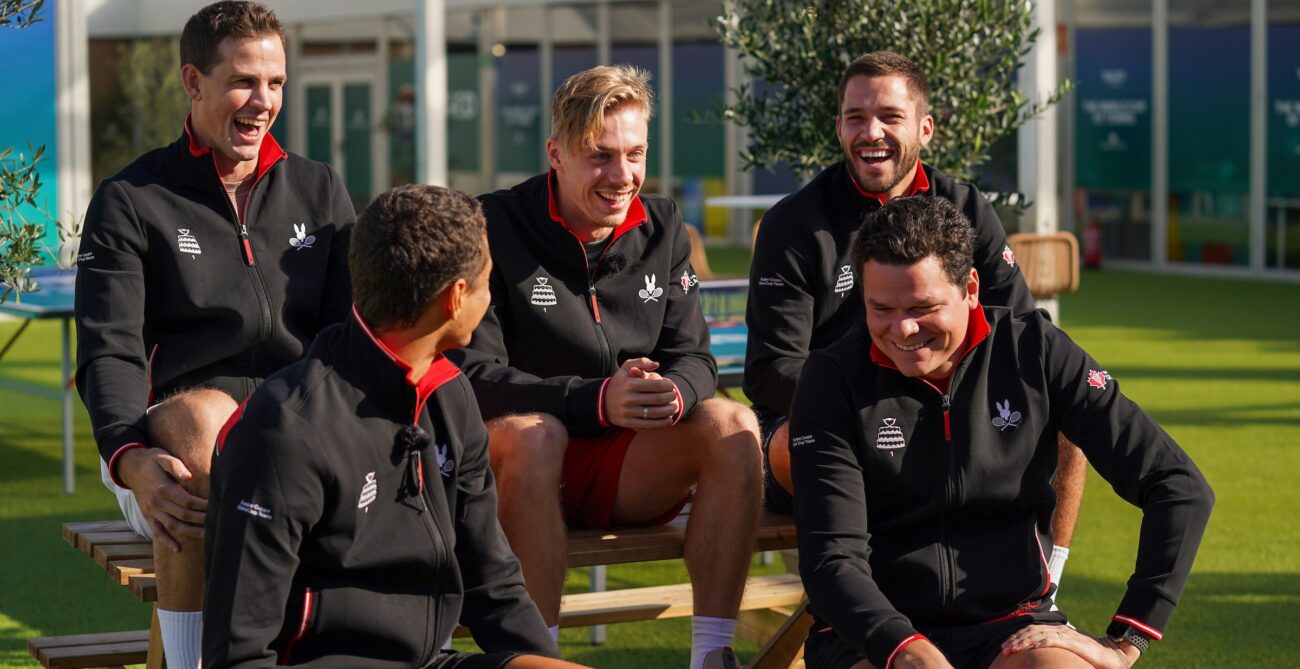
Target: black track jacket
<point>803,290</point>
<point>555,331</point>
<point>918,510</point>
<point>330,545</point>
<point>173,294</point>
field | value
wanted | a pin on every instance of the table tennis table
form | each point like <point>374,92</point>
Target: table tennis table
<point>52,300</point>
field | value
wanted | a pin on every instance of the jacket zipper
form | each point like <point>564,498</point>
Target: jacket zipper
<point>435,533</point>
<point>601,338</point>
<point>308,602</point>
<point>246,248</point>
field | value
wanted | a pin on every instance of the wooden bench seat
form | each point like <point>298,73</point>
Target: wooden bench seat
<point>127,558</point>
<point>82,651</point>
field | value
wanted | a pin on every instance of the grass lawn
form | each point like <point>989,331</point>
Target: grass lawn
<point>1216,361</point>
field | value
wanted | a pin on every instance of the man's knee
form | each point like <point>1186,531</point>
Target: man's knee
<point>186,425</point>
<point>527,449</point>
<point>729,433</point>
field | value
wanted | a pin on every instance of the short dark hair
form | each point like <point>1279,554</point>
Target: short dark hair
<point>909,229</point>
<point>884,64</point>
<point>201,39</point>
<point>408,245</point>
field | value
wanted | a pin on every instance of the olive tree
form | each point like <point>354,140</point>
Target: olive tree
<point>969,49</point>
<point>20,182</point>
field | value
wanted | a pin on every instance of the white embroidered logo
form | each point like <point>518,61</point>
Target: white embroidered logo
<point>187,242</point>
<point>543,295</point>
<point>801,440</point>
<point>844,282</point>
<point>1006,417</point>
<point>445,464</point>
<point>890,436</point>
<point>369,492</point>
<point>301,240</point>
<point>770,281</point>
<point>650,292</point>
<point>254,510</point>
<point>689,280</point>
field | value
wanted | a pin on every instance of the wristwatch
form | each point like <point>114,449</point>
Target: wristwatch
<point>1121,632</point>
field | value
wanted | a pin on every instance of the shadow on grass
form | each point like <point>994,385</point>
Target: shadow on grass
<point>23,463</point>
<point>1223,619</point>
<point>1192,307</point>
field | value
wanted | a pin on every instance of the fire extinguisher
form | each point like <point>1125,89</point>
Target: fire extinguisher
<point>1092,245</point>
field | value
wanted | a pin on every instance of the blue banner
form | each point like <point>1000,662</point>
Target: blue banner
<point>1113,109</point>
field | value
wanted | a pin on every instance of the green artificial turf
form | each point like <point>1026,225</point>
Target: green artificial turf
<point>1216,361</point>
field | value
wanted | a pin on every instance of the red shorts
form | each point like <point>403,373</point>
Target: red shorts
<point>589,483</point>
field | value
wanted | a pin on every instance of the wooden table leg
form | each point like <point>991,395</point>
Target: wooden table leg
<point>155,659</point>
<point>786,646</point>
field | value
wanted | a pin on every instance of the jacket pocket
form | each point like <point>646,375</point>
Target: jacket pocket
<point>370,626</point>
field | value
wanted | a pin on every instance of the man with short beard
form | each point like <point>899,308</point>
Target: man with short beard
<point>803,294</point>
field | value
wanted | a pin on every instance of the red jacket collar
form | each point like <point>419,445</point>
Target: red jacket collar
<point>440,371</point>
<point>268,154</point>
<point>920,184</point>
<point>635,212</point>
<point>977,330</point>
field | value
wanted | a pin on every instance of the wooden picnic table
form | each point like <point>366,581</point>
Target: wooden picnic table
<point>127,558</point>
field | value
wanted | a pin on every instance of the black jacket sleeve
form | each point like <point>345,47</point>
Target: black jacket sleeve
<point>336,296</point>
<point>266,495</point>
<point>497,611</point>
<point>830,514</point>
<point>779,314</point>
<point>112,378</point>
<point>683,349</point>
<point>1001,283</point>
<point>1144,466</point>
<point>502,389</point>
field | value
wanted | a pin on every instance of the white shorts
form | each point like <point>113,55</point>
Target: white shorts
<point>126,501</point>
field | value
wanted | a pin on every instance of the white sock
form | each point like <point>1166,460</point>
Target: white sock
<point>1056,564</point>
<point>182,637</point>
<point>709,634</point>
<point>555,633</point>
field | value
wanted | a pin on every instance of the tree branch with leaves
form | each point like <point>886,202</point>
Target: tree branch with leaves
<point>20,182</point>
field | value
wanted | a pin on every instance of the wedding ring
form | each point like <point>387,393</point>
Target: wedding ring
<point>645,413</point>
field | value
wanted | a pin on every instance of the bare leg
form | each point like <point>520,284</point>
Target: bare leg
<point>526,453</point>
<point>186,426</point>
<point>716,449</point>
<point>1041,658</point>
<point>1071,473</point>
<point>778,457</point>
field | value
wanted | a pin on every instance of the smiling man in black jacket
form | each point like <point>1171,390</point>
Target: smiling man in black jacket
<point>205,267</point>
<point>923,445</point>
<point>353,520</point>
<point>803,292</point>
<point>593,364</point>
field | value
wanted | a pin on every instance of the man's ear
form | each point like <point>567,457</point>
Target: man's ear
<point>973,289</point>
<point>927,130</point>
<point>453,298</point>
<point>553,153</point>
<point>190,77</point>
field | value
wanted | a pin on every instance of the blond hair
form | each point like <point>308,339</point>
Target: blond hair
<point>579,107</point>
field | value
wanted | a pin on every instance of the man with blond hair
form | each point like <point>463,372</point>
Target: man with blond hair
<point>205,267</point>
<point>593,367</point>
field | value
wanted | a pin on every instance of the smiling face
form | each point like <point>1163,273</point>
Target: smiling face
<point>596,184</point>
<point>917,316</point>
<point>233,106</point>
<point>882,131</point>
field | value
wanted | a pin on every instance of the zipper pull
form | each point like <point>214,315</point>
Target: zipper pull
<point>947,423</point>
<point>248,248</point>
<point>595,310</point>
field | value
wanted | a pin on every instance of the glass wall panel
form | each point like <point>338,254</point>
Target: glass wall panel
<point>1282,213</point>
<point>1209,132</point>
<point>1113,136</point>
